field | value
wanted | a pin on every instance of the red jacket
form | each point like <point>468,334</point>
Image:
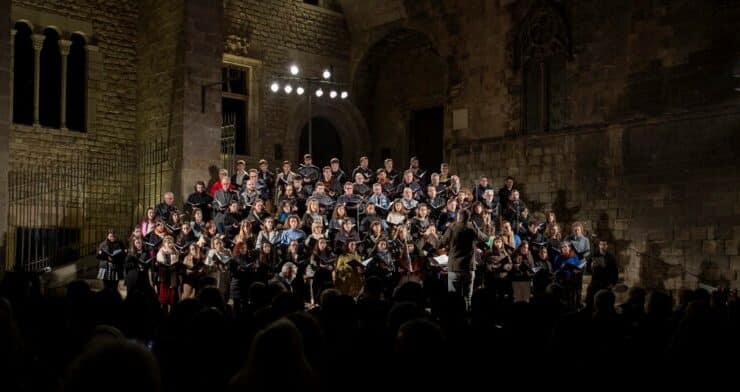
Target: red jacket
<point>216,186</point>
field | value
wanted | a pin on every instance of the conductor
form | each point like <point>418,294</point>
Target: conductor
<point>460,239</point>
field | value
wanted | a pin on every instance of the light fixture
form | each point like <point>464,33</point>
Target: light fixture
<point>274,87</point>
<point>326,74</point>
<point>344,95</point>
<point>332,94</point>
<point>294,69</point>
<point>288,89</point>
<point>319,93</point>
<point>299,90</point>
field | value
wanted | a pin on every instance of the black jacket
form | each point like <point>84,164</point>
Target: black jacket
<point>460,240</point>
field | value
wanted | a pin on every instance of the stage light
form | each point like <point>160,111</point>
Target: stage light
<point>344,95</point>
<point>326,74</point>
<point>299,90</point>
<point>294,69</point>
<point>288,89</point>
<point>274,87</point>
<point>319,93</point>
<point>332,94</point>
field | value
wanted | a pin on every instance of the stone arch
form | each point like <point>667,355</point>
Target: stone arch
<point>346,119</point>
<point>543,47</point>
<point>56,28</point>
<point>85,37</point>
<point>389,104</point>
<point>28,23</point>
<point>543,32</point>
<point>381,35</point>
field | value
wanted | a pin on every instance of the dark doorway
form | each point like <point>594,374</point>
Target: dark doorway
<point>325,141</point>
<point>426,137</point>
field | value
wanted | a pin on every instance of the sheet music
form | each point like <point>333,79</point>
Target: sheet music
<point>366,261</point>
<point>442,260</point>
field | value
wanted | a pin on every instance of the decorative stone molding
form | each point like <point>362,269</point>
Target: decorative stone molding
<point>236,45</point>
<point>64,45</point>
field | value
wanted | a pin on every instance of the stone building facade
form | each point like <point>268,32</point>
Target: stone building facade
<point>621,115</point>
<point>641,124</point>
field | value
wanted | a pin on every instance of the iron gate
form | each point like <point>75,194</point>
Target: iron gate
<point>228,142</point>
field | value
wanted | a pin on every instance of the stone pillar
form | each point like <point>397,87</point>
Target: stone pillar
<point>5,105</point>
<point>64,46</point>
<point>38,43</point>
<point>203,58</point>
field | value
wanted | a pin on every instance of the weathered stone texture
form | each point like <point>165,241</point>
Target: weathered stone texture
<point>4,120</point>
<point>648,156</point>
<point>277,33</point>
<point>114,33</point>
<point>160,82</point>
<point>107,148</point>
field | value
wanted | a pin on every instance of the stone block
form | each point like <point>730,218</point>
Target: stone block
<point>731,247</point>
<point>711,247</point>
<point>699,233</point>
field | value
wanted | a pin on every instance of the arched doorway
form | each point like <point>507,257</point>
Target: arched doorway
<point>400,86</point>
<point>325,141</point>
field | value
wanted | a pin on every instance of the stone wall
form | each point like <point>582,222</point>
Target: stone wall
<point>104,157</point>
<point>160,87</point>
<point>666,198</point>
<point>201,133</point>
<point>276,33</point>
<point>112,71</point>
<point>4,118</point>
<point>648,154</point>
<point>396,76</point>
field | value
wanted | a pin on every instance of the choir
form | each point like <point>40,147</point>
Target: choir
<point>317,228</point>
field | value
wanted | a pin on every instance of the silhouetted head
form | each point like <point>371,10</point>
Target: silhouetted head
<point>113,364</point>
<point>604,301</point>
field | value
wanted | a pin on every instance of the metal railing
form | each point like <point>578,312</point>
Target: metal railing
<point>60,213</point>
<point>228,142</point>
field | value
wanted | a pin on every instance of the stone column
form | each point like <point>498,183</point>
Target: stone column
<point>38,43</point>
<point>10,54</point>
<point>64,46</point>
<point>6,50</point>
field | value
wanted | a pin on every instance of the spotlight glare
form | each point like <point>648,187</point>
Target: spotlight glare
<point>326,74</point>
<point>299,90</point>
<point>344,95</point>
<point>274,87</point>
<point>319,93</point>
<point>294,69</point>
<point>332,94</point>
<point>288,89</point>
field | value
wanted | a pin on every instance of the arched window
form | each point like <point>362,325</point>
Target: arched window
<point>50,89</point>
<point>23,58</point>
<point>76,84</point>
<point>544,47</point>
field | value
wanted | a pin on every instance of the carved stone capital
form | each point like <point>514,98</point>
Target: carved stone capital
<point>38,41</point>
<point>64,45</point>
